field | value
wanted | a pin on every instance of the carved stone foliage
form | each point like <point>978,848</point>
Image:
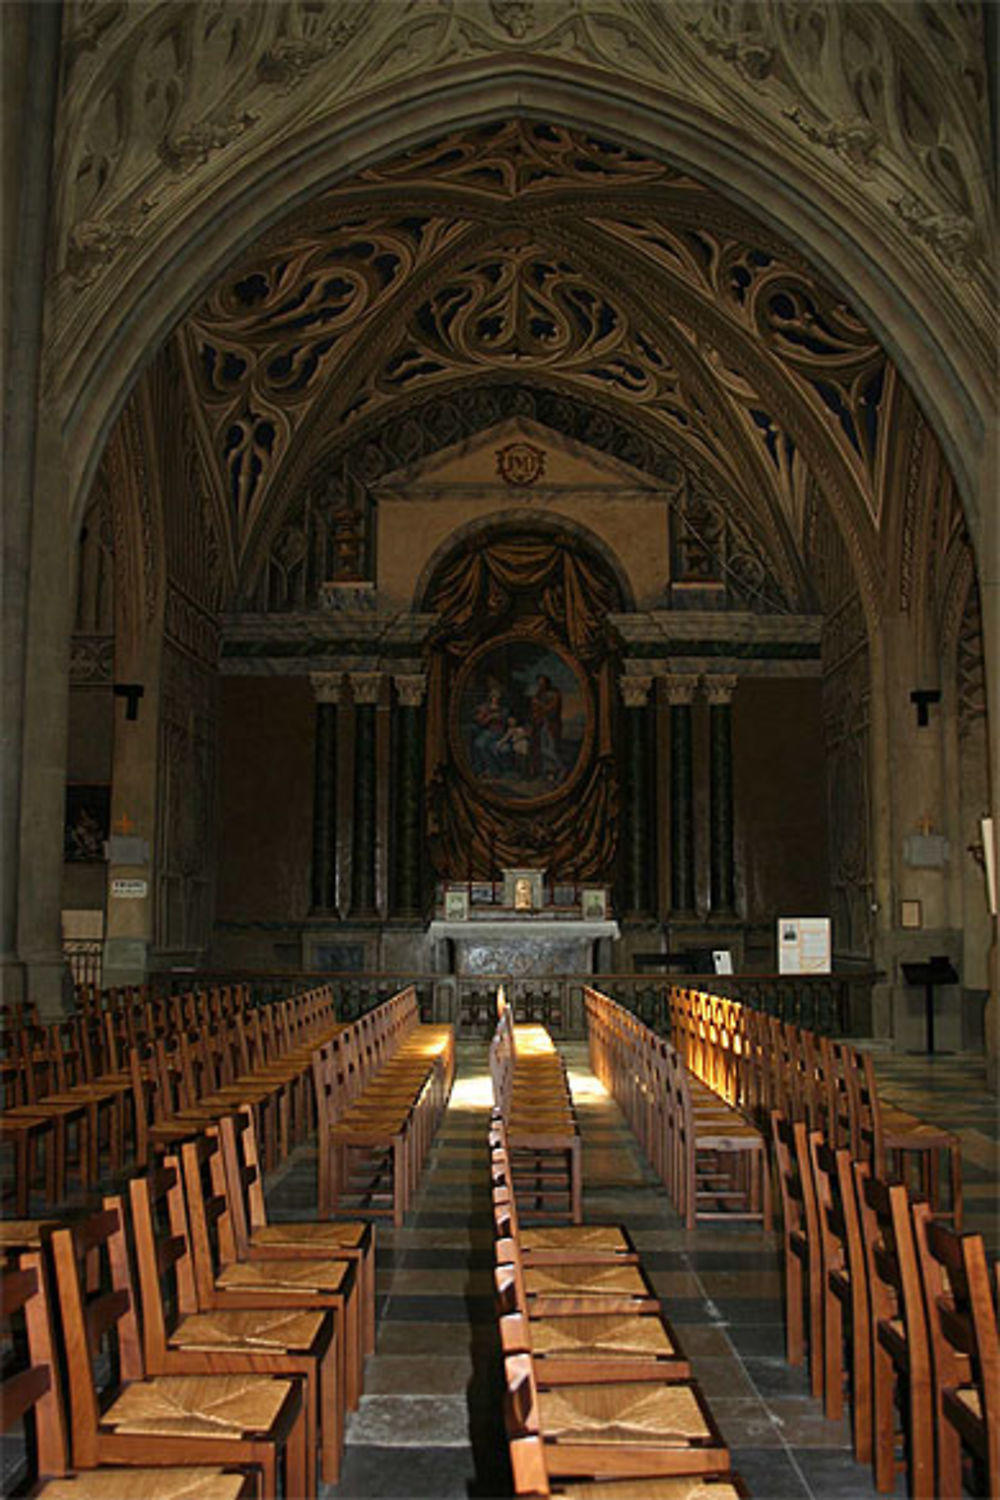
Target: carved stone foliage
<point>186,804</point>
<point>91,660</point>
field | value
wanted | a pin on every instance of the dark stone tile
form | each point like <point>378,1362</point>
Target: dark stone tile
<point>764,1340</point>
<point>370,1471</point>
<point>834,1475</point>
<point>738,1258</point>
<point>434,1309</point>
<point>773,1377</point>
<point>752,1310</point>
<point>769,1474</point>
<point>445,1260</point>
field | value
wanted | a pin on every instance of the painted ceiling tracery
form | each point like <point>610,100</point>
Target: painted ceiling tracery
<point>526,250</point>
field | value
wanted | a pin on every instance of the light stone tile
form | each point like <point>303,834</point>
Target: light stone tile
<point>410,1422</point>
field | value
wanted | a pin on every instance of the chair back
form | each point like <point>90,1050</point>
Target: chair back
<point>32,1390</point>
<point>100,1324</point>
<point>164,1260</point>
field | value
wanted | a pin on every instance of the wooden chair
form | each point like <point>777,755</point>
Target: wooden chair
<point>32,1395</point>
<point>224,1282</point>
<point>900,1347</point>
<point>625,1430</point>
<point>119,1415</point>
<point>802,1254</point>
<point>844,1291</point>
<point>178,1339</point>
<point>531,1477</point>
<point>258,1239</point>
<point>962,1322</point>
<point>889,1139</point>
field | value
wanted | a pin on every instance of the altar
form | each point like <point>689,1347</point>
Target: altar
<point>514,931</point>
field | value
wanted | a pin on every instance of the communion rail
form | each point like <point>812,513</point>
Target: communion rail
<point>837,1004</point>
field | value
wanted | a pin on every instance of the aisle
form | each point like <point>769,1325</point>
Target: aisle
<point>430,1423</point>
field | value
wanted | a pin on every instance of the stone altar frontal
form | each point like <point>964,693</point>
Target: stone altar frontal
<point>518,945</point>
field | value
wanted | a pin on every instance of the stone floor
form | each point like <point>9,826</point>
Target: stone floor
<point>430,1421</point>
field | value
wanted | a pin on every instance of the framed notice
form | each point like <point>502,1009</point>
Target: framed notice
<point>804,945</point>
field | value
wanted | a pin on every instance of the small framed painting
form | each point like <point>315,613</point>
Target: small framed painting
<point>456,904</point>
<point>88,822</point>
<point>911,914</point>
<point>594,903</point>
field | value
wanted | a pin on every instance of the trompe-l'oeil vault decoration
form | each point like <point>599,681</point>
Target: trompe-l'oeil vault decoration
<point>520,765</point>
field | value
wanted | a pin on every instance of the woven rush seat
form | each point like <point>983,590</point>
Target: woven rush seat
<point>245,1328</point>
<point>598,1335</point>
<point>587,1279</point>
<point>626,1413</point>
<point>601,1237</point>
<point>194,1406</point>
<point>149,1484</point>
<point>679,1487</point>
<point>314,1236</point>
<point>286,1276</point>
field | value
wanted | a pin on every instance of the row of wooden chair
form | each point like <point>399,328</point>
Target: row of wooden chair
<point>381,1084</point>
<point>759,1063</point>
<point>908,1297</point>
<point>599,1399</point>
<point>250,1344</point>
<point>712,1160</point>
<point>532,1093</point>
<point>76,1099</point>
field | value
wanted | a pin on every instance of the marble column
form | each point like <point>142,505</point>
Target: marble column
<point>408,883</point>
<point>719,691</point>
<point>366,687</point>
<point>638,810</point>
<point>327,686</point>
<point>680,691</point>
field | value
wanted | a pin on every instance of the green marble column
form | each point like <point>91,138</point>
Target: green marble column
<point>723,889</point>
<point>366,687</point>
<point>680,693</point>
<point>639,802</point>
<point>324,861</point>
<point>408,806</point>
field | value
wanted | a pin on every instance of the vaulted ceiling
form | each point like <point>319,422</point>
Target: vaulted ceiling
<point>526,252</point>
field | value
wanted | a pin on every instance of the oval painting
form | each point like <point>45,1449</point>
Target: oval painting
<point>521,720</point>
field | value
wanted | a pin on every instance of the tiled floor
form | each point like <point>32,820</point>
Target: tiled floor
<point>430,1422</point>
<point>430,1419</point>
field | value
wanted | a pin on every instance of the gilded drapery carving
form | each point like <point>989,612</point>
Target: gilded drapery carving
<point>547,590</point>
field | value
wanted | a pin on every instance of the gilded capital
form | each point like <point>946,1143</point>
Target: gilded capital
<point>366,686</point>
<point>719,689</point>
<point>411,687</point>
<point>680,688</point>
<point>635,691</point>
<point>327,686</point>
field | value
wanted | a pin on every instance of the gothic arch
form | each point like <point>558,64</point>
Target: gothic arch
<point>165,278</point>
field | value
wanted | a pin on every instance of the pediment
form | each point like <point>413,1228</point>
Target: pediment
<point>520,458</point>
